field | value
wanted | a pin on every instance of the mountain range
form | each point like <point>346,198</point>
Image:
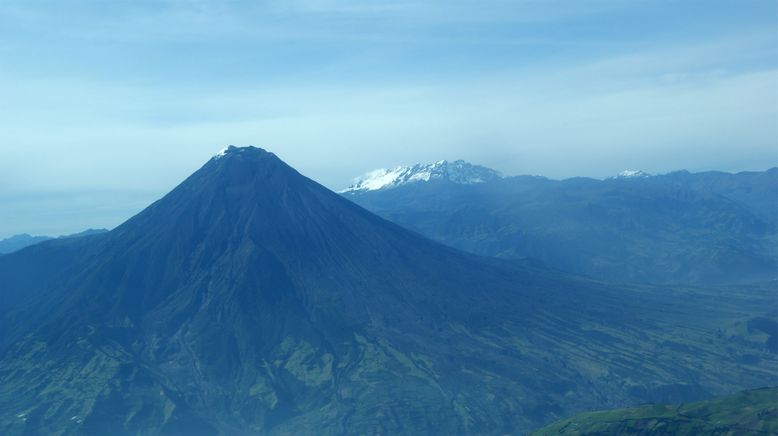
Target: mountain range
<point>252,300</point>
<point>17,242</point>
<point>704,228</point>
<point>459,172</point>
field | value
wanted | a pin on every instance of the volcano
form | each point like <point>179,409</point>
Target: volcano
<point>252,300</point>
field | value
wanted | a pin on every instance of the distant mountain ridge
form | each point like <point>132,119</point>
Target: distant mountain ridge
<point>633,174</point>
<point>680,227</point>
<point>458,171</point>
<point>17,242</point>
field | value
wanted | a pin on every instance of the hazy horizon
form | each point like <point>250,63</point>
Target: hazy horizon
<point>76,211</point>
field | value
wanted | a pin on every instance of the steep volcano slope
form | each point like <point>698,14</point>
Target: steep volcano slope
<point>251,299</point>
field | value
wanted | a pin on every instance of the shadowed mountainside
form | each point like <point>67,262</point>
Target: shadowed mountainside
<point>706,228</point>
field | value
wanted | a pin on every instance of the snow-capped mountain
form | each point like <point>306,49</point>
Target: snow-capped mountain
<point>459,171</point>
<point>632,174</point>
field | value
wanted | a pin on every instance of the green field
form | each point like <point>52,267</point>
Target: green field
<point>753,412</point>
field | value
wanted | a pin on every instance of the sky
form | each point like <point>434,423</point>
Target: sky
<point>106,106</point>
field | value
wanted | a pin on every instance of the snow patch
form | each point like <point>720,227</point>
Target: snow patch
<point>459,171</point>
<point>632,174</point>
<point>229,150</point>
<point>223,152</point>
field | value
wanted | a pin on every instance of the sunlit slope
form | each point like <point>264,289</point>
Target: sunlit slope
<point>753,412</point>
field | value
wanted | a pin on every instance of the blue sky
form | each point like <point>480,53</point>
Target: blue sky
<point>107,105</point>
